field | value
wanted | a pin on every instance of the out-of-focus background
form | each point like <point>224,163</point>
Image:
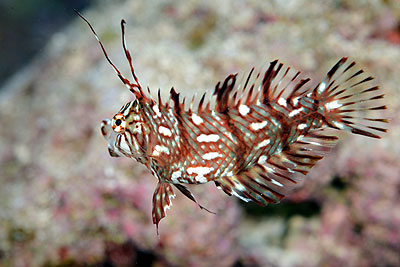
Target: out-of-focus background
<point>64,201</point>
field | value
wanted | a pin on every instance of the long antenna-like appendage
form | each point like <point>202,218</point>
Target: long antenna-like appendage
<point>132,87</point>
<point>128,54</point>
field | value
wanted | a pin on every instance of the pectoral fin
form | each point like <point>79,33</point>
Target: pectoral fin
<point>273,178</point>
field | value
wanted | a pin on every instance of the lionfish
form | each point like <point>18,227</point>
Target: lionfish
<point>256,141</point>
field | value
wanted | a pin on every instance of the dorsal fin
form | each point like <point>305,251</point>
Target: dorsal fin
<point>263,86</point>
<point>159,97</point>
<point>175,99</point>
<point>200,107</point>
<point>226,92</point>
<point>222,91</point>
<point>269,76</point>
<point>276,82</point>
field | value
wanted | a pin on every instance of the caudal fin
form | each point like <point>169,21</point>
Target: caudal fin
<point>350,101</point>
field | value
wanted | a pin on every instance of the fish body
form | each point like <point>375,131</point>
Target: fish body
<point>256,139</point>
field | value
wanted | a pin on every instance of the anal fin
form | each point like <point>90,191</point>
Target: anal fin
<point>271,179</point>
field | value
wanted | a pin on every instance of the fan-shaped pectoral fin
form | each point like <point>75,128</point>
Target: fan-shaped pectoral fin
<point>273,178</point>
<point>184,190</point>
<point>162,201</point>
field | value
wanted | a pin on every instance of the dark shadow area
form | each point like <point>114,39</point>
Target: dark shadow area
<point>286,210</point>
<point>127,254</point>
<point>26,26</point>
<point>339,183</point>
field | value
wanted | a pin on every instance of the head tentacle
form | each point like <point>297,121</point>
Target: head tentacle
<point>129,58</point>
<point>135,88</point>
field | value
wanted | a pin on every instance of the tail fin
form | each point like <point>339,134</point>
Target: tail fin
<point>346,98</point>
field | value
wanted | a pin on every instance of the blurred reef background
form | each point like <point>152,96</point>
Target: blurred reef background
<point>65,202</point>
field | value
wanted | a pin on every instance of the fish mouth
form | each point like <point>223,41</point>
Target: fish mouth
<point>106,128</point>
<point>111,137</point>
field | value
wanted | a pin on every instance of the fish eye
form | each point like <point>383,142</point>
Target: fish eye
<point>118,123</point>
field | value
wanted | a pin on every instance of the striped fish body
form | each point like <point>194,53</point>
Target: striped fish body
<point>198,147</point>
<point>255,139</point>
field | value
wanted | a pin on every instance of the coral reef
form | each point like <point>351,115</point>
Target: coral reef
<point>64,200</point>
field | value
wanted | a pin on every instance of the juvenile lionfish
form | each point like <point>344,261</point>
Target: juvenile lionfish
<point>259,139</point>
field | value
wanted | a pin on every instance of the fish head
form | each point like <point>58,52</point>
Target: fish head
<point>126,132</point>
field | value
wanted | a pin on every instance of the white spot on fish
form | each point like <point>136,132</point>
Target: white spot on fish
<point>282,101</point>
<point>200,171</point>
<point>276,182</point>
<point>165,131</point>
<point>244,110</point>
<point>156,109</point>
<point>333,105</point>
<point>258,125</point>
<point>175,175</point>
<point>208,138</point>
<point>302,126</point>
<point>295,112</point>
<point>197,119</point>
<point>160,149</point>
<point>263,143</point>
<point>211,155</point>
